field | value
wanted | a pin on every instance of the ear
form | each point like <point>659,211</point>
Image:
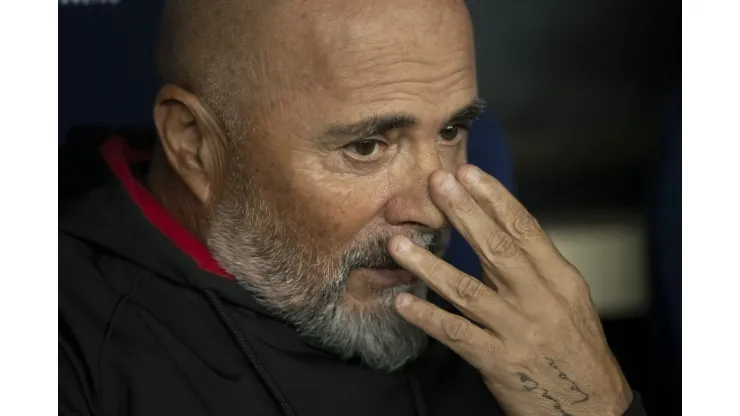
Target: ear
<point>192,138</point>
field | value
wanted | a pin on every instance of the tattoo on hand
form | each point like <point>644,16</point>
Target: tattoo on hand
<point>573,386</point>
<point>533,386</point>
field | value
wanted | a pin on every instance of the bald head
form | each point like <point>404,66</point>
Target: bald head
<point>211,47</point>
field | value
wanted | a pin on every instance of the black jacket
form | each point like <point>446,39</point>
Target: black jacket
<point>150,325</point>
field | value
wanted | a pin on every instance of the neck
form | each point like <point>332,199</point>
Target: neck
<point>172,193</point>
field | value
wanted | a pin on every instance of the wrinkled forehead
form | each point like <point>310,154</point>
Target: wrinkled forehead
<point>351,51</point>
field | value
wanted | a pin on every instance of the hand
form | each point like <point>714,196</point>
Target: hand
<point>538,342</point>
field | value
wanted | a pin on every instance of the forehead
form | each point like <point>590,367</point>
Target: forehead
<point>371,56</point>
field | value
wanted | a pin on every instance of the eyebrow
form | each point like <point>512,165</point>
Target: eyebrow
<point>381,124</point>
<point>470,112</point>
<point>372,126</point>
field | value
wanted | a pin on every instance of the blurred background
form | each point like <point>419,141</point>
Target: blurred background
<point>585,102</point>
<point>588,96</point>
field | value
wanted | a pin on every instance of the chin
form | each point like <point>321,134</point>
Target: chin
<point>366,299</point>
<point>372,330</point>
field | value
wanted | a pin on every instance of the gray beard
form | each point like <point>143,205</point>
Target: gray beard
<point>309,290</point>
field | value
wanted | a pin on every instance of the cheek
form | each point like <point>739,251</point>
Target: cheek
<point>334,211</point>
<point>462,156</point>
<point>452,160</point>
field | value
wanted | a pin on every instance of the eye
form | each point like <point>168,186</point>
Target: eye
<point>451,132</point>
<point>365,150</point>
<point>365,147</point>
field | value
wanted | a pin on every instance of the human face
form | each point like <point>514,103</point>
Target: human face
<point>373,98</point>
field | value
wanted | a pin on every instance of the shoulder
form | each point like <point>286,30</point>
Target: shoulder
<point>93,286</point>
<point>88,297</point>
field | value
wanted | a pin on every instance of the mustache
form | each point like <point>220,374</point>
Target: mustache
<point>373,253</point>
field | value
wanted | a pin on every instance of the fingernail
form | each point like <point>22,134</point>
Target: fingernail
<point>450,185</point>
<point>472,175</point>
<point>403,245</point>
<point>402,300</point>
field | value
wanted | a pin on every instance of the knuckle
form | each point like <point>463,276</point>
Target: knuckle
<point>469,289</point>
<point>571,270</point>
<point>501,244</point>
<point>465,206</point>
<point>525,224</point>
<point>575,287</point>
<point>581,288</point>
<point>457,328</point>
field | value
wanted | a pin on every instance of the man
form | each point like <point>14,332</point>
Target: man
<point>274,251</point>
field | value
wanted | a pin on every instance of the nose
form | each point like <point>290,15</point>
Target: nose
<point>411,203</point>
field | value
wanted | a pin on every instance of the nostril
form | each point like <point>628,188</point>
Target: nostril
<point>414,207</point>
